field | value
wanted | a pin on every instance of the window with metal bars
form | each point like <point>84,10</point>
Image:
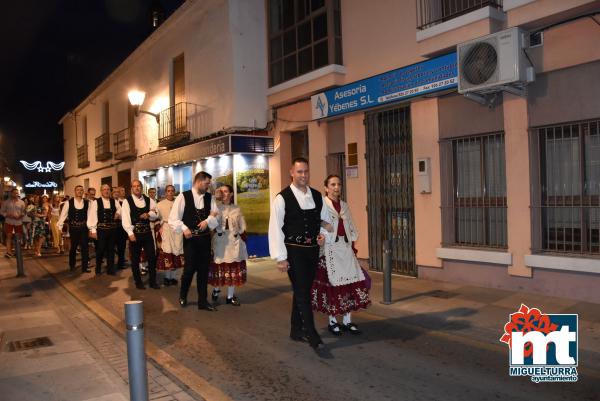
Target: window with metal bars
<point>474,191</point>
<point>304,35</point>
<point>566,202</point>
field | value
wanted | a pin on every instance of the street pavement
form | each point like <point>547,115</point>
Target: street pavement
<point>437,341</point>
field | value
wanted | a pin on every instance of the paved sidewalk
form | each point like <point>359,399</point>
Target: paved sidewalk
<point>432,330</point>
<point>82,358</point>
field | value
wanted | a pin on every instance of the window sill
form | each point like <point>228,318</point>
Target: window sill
<point>511,4</point>
<point>568,263</point>
<point>475,255</point>
<point>455,23</point>
<point>309,76</point>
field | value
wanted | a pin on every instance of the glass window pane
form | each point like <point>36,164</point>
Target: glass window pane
<point>495,172</point>
<point>276,50</point>
<point>289,42</point>
<point>275,15</point>
<point>320,27</point>
<point>289,67</point>
<point>288,13</point>
<point>562,164</point>
<point>468,168</point>
<point>592,160</point>
<point>304,35</point>
<point>316,4</point>
<point>277,73</point>
<point>305,61</point>
<point>321,55</point>
<point>302,9</point>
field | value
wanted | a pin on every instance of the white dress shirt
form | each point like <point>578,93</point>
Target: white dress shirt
<point>65,211</point>
<point>277,247</point>
<point>179,205</point>
<point>126,212</point>
<point>92,220</point>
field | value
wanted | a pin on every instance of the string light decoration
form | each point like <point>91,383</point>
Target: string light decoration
<point>37,165</point>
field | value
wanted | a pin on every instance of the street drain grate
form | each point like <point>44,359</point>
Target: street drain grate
<point>443,294</point>
<point>22,345</point>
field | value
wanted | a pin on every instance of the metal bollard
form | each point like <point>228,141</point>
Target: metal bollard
<point>19,254</point>
<point>387,273</point>
<point>136,355</point>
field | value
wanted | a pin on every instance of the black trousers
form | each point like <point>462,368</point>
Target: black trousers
<point>79,238</point>
<point>145,242</point>
<point>303,267</point>
<point>105,247</point>
<point>196,252</point>
<point>121,243</point>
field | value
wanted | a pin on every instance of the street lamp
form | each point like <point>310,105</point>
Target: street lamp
<point>136,98</point>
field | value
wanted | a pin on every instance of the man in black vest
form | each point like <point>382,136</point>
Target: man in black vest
<point>194,213</point>
<point>136,213</point>
<point>103,228</point>
<point>76,210</point>
<point>294,240</point>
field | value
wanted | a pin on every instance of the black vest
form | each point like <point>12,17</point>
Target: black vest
<point>192,216</point>
<point>106,217</point>
<point>140,226</point>
<point>301,227</point>
<point>77,217</point>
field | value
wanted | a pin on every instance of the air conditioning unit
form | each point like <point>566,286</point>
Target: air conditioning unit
<point>494,63</point>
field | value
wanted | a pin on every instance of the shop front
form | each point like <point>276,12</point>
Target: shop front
<point>235,159</point>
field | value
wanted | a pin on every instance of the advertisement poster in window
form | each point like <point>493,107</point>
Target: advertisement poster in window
<point>252,183</point>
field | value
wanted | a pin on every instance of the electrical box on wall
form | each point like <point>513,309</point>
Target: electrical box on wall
<point>424,175</point>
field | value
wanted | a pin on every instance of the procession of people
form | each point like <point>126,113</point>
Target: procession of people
<point>204,233</point>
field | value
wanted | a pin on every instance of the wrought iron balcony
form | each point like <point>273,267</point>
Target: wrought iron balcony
<point>124,144</point>
<point>82,156</point>
<point>181,123</point>
<point>103,147</point>
<point>433,12</point>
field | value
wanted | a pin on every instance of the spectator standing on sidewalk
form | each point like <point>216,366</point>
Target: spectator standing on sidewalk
<point>74,212</point>
<point>38,225</point>
<point>194,213</point>
<point>170,243</point>
<point>13,210</point>
<point>103,228</point>
<point>340,286</point>
<point>26,225</point>
<point>294,240</point>
<point>54,215</point>
<point>137,212</point>
<point>229,249</point>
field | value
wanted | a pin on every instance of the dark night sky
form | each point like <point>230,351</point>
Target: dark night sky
<point>53,54</point>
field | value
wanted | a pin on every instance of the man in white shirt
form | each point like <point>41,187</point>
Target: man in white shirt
<point>103,227</point>
<point>75,210</point>
<point>13,210</point>
<point>194,213</point>
<point>294,240</point>
<point>136,213</point>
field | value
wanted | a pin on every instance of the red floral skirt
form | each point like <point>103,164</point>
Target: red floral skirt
<point>337,300</point>
<point>227,274</point>
<point>168,261</point>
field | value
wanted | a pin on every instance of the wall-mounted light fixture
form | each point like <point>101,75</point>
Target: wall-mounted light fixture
<point>136,98</point>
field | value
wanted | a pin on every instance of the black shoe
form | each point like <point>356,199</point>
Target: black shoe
<point>300,337</point>
<point>182,302</point>
<point>315,341</point>
<point>86,270</point>
<point>155,286</point>
<point>140,286</point>
<point>233,301</point>
<point>173,281</point>
<point>352,328</point>
<point>207,306</point>
<point>215,295</point>
<point>335,329</point>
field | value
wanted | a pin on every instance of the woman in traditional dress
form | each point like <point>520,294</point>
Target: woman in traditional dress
<point>38,225</point>
<point>229,249</point>
<point>54,215</point>
<point>170,244</point>
<point>339,287</point>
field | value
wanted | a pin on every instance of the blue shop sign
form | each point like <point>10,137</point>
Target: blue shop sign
<point>433,75</point>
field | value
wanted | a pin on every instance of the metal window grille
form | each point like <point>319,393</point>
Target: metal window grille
<point>474,208</point>
<point>566,202</point>
<point>433,12</point>
<point>304,35</point>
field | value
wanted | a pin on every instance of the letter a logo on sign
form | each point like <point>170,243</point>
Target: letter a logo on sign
<point>545,342</point>
<point>320,106</point>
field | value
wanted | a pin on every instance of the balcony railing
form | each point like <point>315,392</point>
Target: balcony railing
<point>124,144</point>
<point>82,156</point>
<point>433,12</point>
<point>103,147</point>
<point>181,123</point>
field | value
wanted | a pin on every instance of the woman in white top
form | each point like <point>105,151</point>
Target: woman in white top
<point>229,249</point>
<point>170,243</point>
<point>340,286</point>
<point>54,215</point>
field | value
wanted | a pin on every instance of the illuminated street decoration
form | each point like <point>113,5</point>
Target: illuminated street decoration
<point>37,184</point>
<point>38,166</point>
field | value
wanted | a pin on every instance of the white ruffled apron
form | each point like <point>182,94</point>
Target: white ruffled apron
<point>342,266</point>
